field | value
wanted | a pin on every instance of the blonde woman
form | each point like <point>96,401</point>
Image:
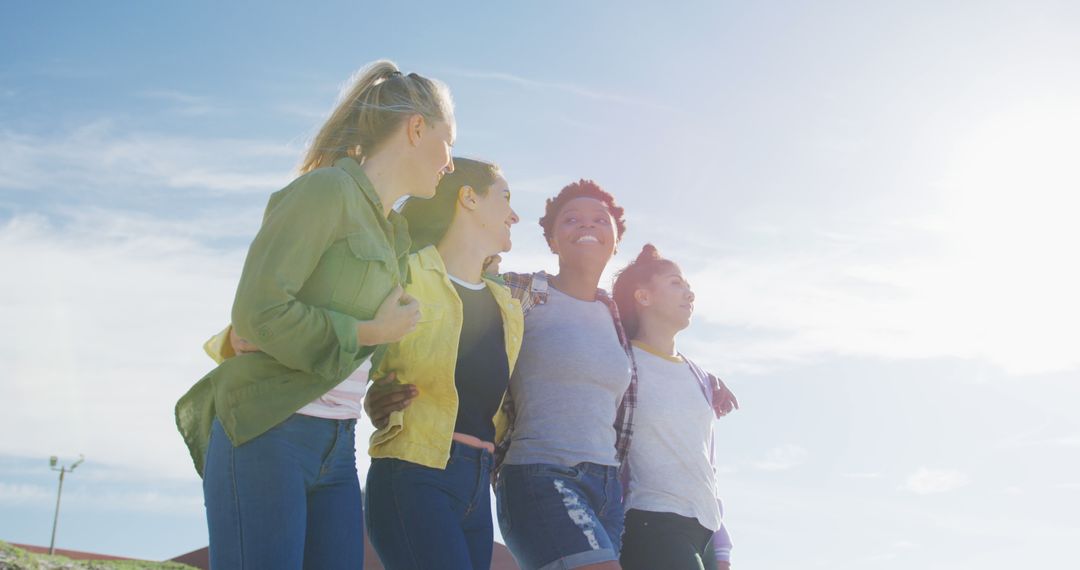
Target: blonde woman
<point>271,431</point>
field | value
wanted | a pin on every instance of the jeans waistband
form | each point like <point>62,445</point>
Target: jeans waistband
<point>468,452</point>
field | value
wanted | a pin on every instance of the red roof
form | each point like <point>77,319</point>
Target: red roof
<point>500,560</point>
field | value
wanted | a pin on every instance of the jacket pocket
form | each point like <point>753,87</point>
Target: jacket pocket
<point>367,275</point>
<point>431,312</point>
<point>429,335</point>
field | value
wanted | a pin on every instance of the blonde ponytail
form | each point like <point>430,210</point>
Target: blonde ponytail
<point>377,99</point>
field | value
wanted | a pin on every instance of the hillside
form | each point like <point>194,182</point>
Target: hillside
<point>13,558</point>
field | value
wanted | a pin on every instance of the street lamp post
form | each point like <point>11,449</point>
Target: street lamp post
<point>56,517</point>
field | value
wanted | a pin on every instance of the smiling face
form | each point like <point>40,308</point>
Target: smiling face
<point>584,233</point>
<point>431,158</point>
<point>667,298</point>
<point>495,216</point>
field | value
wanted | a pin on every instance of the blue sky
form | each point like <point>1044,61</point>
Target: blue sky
<point>875,204</point>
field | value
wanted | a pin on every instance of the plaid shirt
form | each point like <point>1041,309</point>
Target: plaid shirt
<point>532,290</point>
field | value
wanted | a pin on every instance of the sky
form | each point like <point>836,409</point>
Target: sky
<point>875,203</point>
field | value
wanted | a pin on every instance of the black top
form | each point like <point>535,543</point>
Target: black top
<point>482,373</point>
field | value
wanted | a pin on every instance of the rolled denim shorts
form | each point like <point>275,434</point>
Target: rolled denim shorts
<point>556,517</point>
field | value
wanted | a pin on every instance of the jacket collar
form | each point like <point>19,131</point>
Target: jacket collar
<point>366,187</point>
<point>398,228</point>
<point>430,260</point>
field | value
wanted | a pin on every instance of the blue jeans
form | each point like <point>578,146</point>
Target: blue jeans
<point>556,517</point>
<point>420,518</point>
<point>288,499</point>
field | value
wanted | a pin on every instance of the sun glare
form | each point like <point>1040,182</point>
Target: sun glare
<point>1009,222</point>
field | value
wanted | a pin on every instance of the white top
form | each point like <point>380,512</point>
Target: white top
<point>471,286</point>
<point>670,460</point>
<point>345,401</point>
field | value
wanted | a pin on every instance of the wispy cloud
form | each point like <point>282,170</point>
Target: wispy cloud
<point>119,314</point>
<point>927,481</point>
<point>13,493</point>
<point>1042,435</point>
<point>311,113</point>
<point>563,87</point>
<point>190,502</point>
<point>894,551</point>
<point>863,475</point>
<point>101,497</point>
<point>98,156</point>
<point>782,458</point>
<point>816,300</point>
<point>1066,441</point>
<point>182,103</point>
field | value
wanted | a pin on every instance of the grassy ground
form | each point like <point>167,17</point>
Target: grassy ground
<point>18,559</point>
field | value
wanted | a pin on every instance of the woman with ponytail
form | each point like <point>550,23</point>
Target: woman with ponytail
<point>672,509</point>
<point>271,431</point>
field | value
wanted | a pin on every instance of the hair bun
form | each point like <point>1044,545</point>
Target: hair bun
<point>648,253</point>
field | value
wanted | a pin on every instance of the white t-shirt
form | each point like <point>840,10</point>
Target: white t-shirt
<point>670,460</point>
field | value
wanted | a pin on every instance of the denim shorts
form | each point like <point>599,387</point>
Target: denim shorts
<point>556,518</point>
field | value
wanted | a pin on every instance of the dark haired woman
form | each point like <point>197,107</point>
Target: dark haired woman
<point>559,493</point>
<point>427,500</point>
<point>320,289</point>
<point>672,510</point>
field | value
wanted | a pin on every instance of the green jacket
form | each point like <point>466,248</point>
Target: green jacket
<point>324,259</point>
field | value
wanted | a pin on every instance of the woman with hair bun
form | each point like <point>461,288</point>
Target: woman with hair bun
<point>271,431</point>
<point>672,509</point>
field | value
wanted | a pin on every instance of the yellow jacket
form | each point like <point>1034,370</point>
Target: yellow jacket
<point>427,357</point>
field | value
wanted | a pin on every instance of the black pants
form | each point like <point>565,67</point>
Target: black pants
<point>662,541</point>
